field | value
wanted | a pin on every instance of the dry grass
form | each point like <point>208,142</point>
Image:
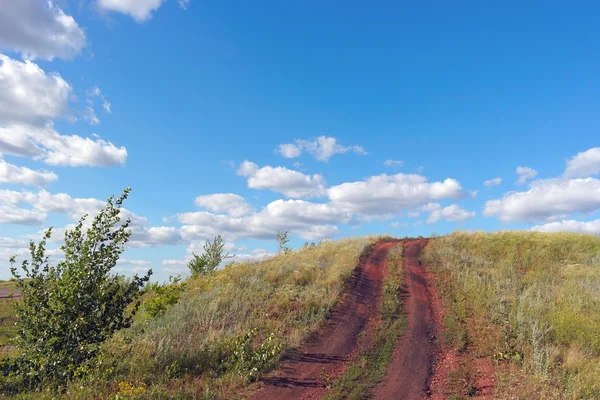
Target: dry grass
<point>178,354</point>
<point>529,300</point>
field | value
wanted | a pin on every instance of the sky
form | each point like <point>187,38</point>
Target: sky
<point>324,119</point>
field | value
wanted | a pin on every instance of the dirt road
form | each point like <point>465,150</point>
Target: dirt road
<point>302,375</point>
<point>407,376</point>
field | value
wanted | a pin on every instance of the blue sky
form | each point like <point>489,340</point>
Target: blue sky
<point>246,119</point>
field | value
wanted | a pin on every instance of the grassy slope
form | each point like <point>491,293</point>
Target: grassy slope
<point>176,355</point>
<point>529,300</point>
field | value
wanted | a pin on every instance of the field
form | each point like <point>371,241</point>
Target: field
<point>528,301</point>
<point>510,315</point>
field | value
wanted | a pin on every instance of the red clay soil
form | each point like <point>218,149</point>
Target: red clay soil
<point>407,376</point>
<point>9,293</point>
<point>302,373</point>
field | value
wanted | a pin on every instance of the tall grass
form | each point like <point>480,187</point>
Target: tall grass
<point>179,354</point>
<point>529,300</point>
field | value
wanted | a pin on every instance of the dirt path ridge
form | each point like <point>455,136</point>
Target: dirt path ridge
<point>302,374</point>
<point>408,374</point>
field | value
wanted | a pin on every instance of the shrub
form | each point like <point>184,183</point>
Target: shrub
<point>166,296</point>
<point>70,309</point>
<point>213,255</point>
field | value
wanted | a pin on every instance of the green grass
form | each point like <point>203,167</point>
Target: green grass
<point>530,301</point>
<point>180,354</point>
<point>369,367</point>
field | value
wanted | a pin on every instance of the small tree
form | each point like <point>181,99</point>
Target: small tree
<point>282,240</point>
<point>214,254</point>
<point>70,309</point>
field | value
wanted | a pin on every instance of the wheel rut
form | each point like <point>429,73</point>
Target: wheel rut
<point>303,373</point>
<point>409,372</point>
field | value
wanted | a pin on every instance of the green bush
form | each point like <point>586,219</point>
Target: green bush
<point>166,296</point>
<point>214,254</point>
<point>70,309</point>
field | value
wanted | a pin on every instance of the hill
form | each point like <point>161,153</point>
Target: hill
<point>511,315</point>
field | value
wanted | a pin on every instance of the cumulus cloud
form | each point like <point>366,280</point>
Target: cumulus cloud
<point>492,182</point>
<point>322,148</point>
<point>44,143</point>
<point>288,182</point>
<point>44,202</point>
<point>30,95</point>
<point>12,215</point>
<point>584,164</point>
<point>140,10</point>
<point>525,174</point>
<point>138,263</point>
<point>39,29</point>
<point>389,194</point>
<point>308,220</point>
<point>154,236</point>
<point>393,163</point>
<point>24,176</point>
<point>547,200</point>
<point>452,212</point>
<point>570,226</point>
<point>228,203</point>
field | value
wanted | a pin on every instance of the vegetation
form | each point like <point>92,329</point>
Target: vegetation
<point>227,328</point>
<point>282,240</point>
<point>531,301</point>
<point>369,367</point>
<point>214,254</point>
<point>70,309</point>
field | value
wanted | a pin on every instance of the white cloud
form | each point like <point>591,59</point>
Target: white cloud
<point>452,212</point>
<point>44,202</point>
<point>56,149</point>
<point>393,163</point>
<point>90,115</point>
<point>37,28</point>
<point>154,236</point>
<point>229,203</point>
<point>584,164</point>
<point>389,194</point>
<point>547,200</point>
<point>289,150</point>
<point>570,226</point>
<point>398,225</point>
<point>282,180</point>
<point>24,176</point>
<point>175,262</point>
<point>525,174</point>
<point>140,10</point>
<point>184,4</point>
<point>322,148</point>
<point>138,263</point>
<point>12,243</point>
<point>308,220</point>
<point>12,215</point>
<point>28,94</point>
<point>492,182</point>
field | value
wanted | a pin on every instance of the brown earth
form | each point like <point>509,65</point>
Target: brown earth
<point>305,372</point>
<point>9,293</point>
<point>407,376</point>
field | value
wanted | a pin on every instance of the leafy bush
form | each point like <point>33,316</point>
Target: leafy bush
<point>166,295</point>
<point>213,255</point>
<point>70,309</point>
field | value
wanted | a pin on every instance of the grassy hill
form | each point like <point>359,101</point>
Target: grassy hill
<point>254,309</point>
<point>527,302</point>
<point>531,302</point>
